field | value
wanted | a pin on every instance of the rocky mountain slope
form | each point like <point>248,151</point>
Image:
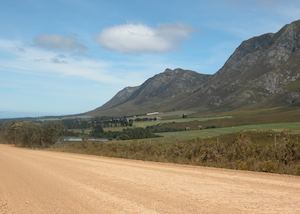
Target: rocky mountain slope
<point>156,94</point>
<point>263,71</point>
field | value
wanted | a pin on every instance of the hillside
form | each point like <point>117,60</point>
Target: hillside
<point>263,71</point>
<point>158,93</point>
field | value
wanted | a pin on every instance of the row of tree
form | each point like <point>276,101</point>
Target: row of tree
<point>80,123</point>
<point>87,123</point>
<point>125,134</point>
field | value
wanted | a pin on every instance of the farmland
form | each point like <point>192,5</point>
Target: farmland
<point>188,135</point>
<point>208,140</point>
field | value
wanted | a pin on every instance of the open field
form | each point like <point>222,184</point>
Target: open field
<point>252,116</point>
<point>34,181</point>
<point>219,119</point>
<point>144,124</point>
<point>115,129</point>
<point>206,133</point>
<point>293,127</point>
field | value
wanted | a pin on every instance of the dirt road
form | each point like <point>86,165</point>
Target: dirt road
<point>33,181</point>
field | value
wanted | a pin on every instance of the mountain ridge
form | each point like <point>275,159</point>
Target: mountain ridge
<point>263,70</point>
<point>169,85</point>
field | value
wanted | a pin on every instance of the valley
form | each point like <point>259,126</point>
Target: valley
<point>150,107</point>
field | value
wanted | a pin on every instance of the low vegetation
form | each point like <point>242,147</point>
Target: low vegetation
<point>241,141</point>
<point>36,134</point>
<point>209,131</point>
<point>252,116</point>
<point>178,126</point>
<point>30,134</point>
<point>124,134</point>
<point>268,151</point>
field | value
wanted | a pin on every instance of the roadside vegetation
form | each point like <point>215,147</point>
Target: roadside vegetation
<point>244,140</point>
<point>263,151</point>
<point>40,134</point>
<point>30,134</point>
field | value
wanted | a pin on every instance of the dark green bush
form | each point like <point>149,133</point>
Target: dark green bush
<point>33,134</point>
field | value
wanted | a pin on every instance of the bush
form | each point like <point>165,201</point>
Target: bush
<point>245,151</point>
<point>126,134</point>
<point>33,134</point>
<point>268,166</point>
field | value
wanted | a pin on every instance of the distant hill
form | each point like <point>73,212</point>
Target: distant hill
<point>158,93</point>
<point>263,71</point>
<point>13,114</point>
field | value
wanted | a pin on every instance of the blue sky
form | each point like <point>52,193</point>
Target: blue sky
<point>70,56</point>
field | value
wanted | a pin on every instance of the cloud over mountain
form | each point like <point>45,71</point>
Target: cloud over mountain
<point>139,38</point>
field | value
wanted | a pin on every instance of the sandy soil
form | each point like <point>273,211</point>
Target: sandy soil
<point>33,181</point>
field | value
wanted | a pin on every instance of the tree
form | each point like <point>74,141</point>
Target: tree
<point>33,134</point>
<point>97,130</point>
<point>130,122</point>
<point>51,132</point>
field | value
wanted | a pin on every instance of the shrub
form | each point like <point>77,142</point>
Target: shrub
<point>246,151</point>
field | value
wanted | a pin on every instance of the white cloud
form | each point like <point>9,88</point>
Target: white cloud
<point>59,42</point>
<point>139,38</point>
<point>18,57</point>
<point>29,59</point>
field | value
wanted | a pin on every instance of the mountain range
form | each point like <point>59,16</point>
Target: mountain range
<point>263,71</point>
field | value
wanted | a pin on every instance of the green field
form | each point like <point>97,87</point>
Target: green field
<point>183,136</point>
<point>144,124</point>
<point>206,133</point>
<point>265,140</point>
<point>225,123</point>
<point>115,129</point>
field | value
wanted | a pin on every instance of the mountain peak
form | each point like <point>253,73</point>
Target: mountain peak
<point>158,91</point>
<point>295,24</point>
<point>176,70</point>
<point>263,71</point>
